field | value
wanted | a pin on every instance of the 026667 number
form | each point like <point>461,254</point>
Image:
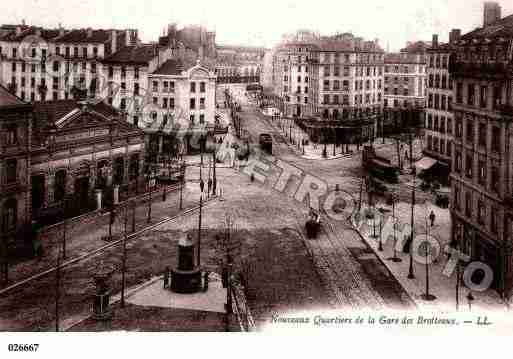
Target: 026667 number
<point>23,347</point>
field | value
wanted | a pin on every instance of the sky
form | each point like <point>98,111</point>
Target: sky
<point>261,22</point>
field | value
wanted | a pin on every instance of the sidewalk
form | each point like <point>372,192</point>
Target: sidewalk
<point>440,285</point>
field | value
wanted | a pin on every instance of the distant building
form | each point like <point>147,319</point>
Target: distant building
<point>405,77</point>
<point>438,134</point>
<point>40,64</point>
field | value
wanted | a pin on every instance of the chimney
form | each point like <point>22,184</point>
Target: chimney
<point>454,35</point>
<point>23,22</point>
<point>18,30</point>
<point>113,39</point>
<point>38,32</point>
<point>127,37</point>
<point>434,42</point>
<point>61,30</point>
<point>491,13</point>
<point>89,32</point>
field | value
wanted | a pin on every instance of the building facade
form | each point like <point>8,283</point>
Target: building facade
<point>40,64</point>
<point>438,135</point>
<point>183,100</point>
<point>15,134</point>
<point>482,157</point>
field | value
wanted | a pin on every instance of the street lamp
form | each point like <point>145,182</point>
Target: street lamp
<point>427,296</point>
<point>410,270</point>
<point>149,179</point>
<point>470,299</point>
<point>395,258</point>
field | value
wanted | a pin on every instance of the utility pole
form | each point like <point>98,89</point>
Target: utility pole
<point>123,263</point>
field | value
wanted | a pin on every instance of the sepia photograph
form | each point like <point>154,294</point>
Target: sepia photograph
<point>259,167</point>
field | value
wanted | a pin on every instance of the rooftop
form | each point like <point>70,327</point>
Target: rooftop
<point>52,111</point>
<point>172,67</point>
<point>85,36</point>
<point>8,99</point>
<point>134,55</point>
<point>501,28</point>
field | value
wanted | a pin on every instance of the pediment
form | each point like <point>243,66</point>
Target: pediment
<point>79,119</point>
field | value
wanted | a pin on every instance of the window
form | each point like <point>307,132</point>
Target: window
<point>191,118</point>
<point>481,212</point>
<point>459,92</point>
<point>95,51</point>
<point>123,72</point>
<point>136,88</point>
<point>171,102</point>
<point>202,118</point>
<point>192,103</point>
<point>471,94</point>
<point>136,72</point>
<point>493,224</point>
<point>482,172</point>
<point>468,204</point>
<point>470,131</point>
<point>326,99</point>
<point>14,67</point>
<point>495,179</point>
<point>11,134</point>
<point>457,166</point>
<point>172,86</point>
<point>122,104</point>
<point>457,198</point>
<point>326,85</point>
<point>496,135</point>
<point>482,96</point>
<point>60,185</point>
<point>202,87</point>
<point>459,128</point>
<point>155,100</point>
<point>468,166</point>
<point>9,216</point>
<point>84,52</point>
<point>111,72</point>
<point>193,87</point>
<point>202,103</point>
<point>11,171</point>
<point>14,52</point>
<point>164,102</point>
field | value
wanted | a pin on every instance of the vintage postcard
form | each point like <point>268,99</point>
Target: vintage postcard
<point>269,167</point>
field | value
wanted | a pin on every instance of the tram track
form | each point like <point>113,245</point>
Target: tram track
<point>101,249</point>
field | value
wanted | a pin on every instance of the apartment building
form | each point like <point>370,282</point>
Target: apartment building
<point>482,155</point>
<point>40,64</point>
<point>405,77</point>
<point>438,134</point>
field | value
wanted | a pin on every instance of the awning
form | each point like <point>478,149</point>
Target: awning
<point>425,163</point>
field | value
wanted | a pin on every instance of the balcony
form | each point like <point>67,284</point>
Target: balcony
<point>492,71</point>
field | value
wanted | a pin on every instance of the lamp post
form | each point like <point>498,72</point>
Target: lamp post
<point>199,230</point>
<point>150,186</point>
<point>470,299</point>
<point>395,258</point>
<point>427,296</point>
<point>123,263</point>
<point>410,269</point>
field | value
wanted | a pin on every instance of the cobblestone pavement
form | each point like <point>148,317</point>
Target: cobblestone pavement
<point>353,276</point>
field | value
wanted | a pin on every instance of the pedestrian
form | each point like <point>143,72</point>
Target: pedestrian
<point>432,218</point>
<point>209,186</point>
<point>202,185</point>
